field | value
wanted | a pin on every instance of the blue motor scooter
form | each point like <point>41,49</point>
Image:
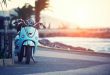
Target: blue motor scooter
<point>26,42</point>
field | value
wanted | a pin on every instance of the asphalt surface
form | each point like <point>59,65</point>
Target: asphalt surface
<point>54,62</point>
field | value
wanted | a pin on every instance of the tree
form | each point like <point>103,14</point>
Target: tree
<point>39,6</point>
<point>25,12</point>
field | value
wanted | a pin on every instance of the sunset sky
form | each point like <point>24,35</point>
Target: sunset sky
<point>85,13</point>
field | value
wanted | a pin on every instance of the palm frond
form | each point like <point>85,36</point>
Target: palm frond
<point>5,2</point>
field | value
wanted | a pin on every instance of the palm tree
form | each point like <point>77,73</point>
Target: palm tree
<point>25,12</point>
<point>39,6</point>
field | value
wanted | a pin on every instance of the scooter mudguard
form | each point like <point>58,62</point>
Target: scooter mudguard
<point>28,43</point>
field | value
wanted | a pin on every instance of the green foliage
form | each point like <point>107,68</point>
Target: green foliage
<point>25,12</point>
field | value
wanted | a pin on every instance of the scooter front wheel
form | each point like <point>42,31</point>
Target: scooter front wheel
<point>28,51</point>
<point>20,54</point>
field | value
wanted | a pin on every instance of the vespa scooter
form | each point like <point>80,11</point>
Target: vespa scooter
<point>26,42</point>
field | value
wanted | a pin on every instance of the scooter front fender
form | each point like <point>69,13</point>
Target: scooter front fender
<point>29,43</point>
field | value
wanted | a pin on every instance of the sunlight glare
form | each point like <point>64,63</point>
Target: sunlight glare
<point>85,13</point>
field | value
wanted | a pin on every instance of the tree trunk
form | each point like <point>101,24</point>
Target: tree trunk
<point>37,16</point>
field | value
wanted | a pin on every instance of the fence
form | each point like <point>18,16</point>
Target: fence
<point>6,43</point>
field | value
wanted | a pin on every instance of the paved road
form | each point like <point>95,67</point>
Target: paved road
<point>54,62</point>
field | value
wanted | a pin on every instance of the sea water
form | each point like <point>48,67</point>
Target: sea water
<point>96,44</point>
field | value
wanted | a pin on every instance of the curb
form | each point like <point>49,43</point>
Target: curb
<point>7,62</point>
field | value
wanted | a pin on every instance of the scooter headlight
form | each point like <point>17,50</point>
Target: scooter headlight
<point>30,34</point>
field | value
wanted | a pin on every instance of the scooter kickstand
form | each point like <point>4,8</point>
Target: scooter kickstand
<point>33,59</point>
